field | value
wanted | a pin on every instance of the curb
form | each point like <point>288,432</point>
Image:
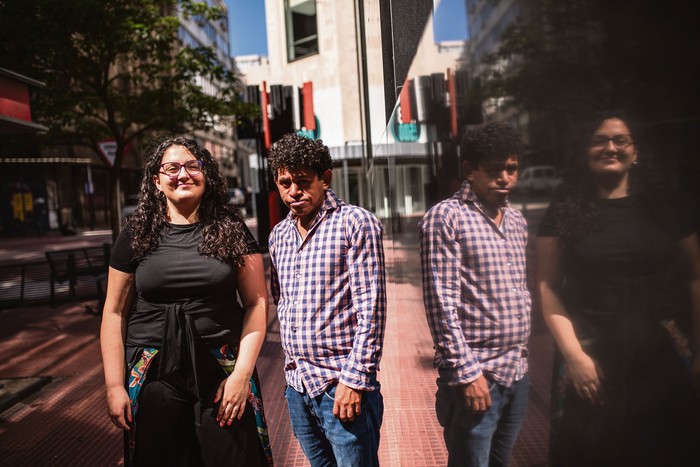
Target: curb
<point>10,400</point>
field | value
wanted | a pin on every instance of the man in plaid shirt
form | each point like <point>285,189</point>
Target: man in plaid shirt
<point>477,302</point>
<point>328,283</point>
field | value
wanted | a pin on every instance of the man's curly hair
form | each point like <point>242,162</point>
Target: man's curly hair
<point>496,140</point>
<point>293,152</point>
<point>222,231</point>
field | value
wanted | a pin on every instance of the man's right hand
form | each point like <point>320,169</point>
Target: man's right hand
<point>477,397</point>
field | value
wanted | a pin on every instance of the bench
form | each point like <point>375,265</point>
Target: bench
<point>70,264</point>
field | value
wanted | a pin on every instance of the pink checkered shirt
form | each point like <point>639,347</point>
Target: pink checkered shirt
<point>475,290</point>
<point>330,293</point>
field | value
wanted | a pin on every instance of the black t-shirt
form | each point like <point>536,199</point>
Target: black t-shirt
<point>174,270</point>
<point>174,274</point>
<point>627,266</point>
<point>625,241</point>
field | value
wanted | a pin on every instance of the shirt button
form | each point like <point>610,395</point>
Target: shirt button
<point>294,329</point>
<point>514,290</point>
<point>298,275</point>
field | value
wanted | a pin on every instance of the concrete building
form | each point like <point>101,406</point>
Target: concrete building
<point>198,31</point>
<point>319,59</point>
<point>487,21</point>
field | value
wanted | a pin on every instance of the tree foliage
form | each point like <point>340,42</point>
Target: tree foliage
<point>566,59</point>
<point>114,70</point>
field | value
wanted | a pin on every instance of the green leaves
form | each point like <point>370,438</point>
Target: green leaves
<point>114,68</point>
<point>567,59</point>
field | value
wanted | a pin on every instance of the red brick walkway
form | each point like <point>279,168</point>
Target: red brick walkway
<point>65,422</point>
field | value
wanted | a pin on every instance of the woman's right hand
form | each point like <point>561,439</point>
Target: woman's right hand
<point>119,407</point>
<point>586,377</point>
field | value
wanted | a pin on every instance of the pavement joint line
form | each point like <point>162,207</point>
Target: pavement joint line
<point>15,397</point>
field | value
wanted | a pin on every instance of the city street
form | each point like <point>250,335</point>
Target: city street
<point>65,423</point>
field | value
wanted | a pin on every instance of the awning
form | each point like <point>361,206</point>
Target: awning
<point>45,160</point>
<point>9,125</point>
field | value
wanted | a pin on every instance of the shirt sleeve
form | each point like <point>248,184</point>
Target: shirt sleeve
<point>365,261</point>
<point>548,226</point>
<point>121,257</point>
<point>252,246</point>
<point>441,259</point>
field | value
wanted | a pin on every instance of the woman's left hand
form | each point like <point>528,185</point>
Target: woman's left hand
<point>233,393</point>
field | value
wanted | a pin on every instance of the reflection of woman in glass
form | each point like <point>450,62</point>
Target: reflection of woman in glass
<point>187,349</point>
<point>615,290</point>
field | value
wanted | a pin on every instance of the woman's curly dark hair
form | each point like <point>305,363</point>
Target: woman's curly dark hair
<point>496,140</point>
<point>575,211</point>
<point>222,230</point>
<point>295,152</point>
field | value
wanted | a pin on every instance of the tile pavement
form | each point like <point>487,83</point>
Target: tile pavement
<point>65,422</point>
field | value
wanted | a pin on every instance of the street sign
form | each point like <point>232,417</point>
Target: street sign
<point>108,149</point>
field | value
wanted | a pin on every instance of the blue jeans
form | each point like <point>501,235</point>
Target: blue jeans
<point>486,439</point>
<point>327,441</point>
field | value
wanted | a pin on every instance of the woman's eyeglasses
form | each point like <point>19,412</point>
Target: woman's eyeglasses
<point>172,169</point>
<point>620,141</point>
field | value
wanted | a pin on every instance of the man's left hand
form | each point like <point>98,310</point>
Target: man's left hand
<point>347,403</point>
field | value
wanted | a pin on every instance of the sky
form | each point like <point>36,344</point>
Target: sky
<point>249,37</point>
<point>247,27</point>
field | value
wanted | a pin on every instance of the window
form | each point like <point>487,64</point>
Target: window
<point>302,32</point>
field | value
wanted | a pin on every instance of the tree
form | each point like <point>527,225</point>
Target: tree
<point>114,70</point>
<point>568,58</point>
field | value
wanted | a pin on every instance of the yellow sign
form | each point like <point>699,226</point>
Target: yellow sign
<point>22,203</point>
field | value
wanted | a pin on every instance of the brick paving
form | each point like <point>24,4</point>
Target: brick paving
<point>65,422</point>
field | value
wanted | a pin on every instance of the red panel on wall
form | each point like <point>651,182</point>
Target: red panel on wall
<point>405,102</point>
<point>14,99</point>
<point>264,101</point>
<point>307,92</point>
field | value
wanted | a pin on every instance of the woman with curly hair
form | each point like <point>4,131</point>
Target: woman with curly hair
<point>619,283</point>
<point>178,349</point>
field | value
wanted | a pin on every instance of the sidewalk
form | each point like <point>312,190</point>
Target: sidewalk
<point>31,248</point>
<point>65,422</point>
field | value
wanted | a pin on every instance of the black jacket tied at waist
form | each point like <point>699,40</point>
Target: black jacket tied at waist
<point>179,338</point>
<point>178,330</point>
<point>619,317</point>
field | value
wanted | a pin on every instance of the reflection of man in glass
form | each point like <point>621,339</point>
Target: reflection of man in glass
<point>328,282</point>
<point>477,302</point>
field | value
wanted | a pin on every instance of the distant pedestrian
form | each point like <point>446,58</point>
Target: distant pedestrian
<point>328,282</point>
<point>178,348</point>
<point>477,302</point>
<point>615,270</point>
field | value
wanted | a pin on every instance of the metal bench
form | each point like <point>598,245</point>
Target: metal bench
<point>69,265</point>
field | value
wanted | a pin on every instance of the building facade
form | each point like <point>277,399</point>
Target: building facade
<point>324,79</point>
<point>487,21</point>
<point>68,187</point>
<point>198,31</point>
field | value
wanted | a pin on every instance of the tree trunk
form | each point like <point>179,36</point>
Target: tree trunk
<point>115,201</point>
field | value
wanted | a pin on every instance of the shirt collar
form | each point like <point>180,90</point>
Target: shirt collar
<point>466,195</point>
<point>330,203</point>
